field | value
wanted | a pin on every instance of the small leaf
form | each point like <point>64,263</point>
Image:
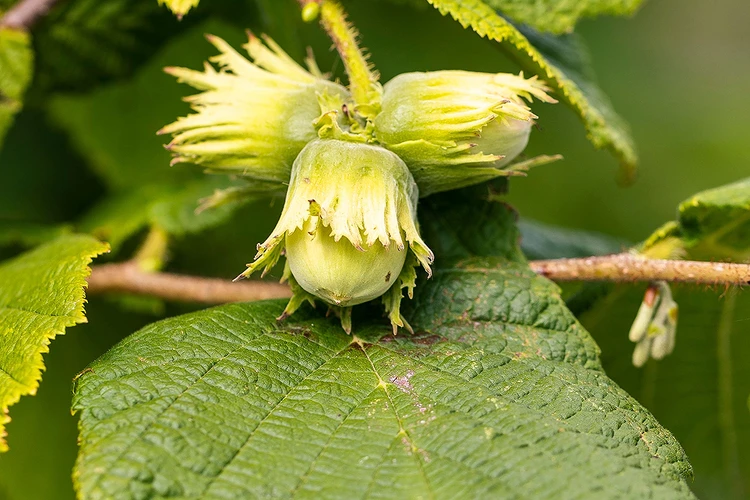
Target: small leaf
<point>561,16</point>
<point>549,57</point>
<point>715,224</point>
<point>41,295</point>
<point>711,225</point>
<point>16,63</point>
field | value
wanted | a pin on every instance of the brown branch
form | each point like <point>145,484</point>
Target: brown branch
<point>625,267</point>
<point>129,278</point>
<point>26,13</point>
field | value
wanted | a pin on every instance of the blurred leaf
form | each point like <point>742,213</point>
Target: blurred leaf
<point>476,222</point>
<point>42,178</point>
<point>500,394</point>
<point>28,234</point>
<point>83,43</point>
<point>179,7</point>
<point>542,241</point>
<point>170,207</point>
<point>547,57</point>
<point>561,16</point>
<point>41,295</point>
<point>115,127</point>
<point>16,62</point>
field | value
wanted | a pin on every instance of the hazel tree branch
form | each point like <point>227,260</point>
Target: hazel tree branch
<point>129,278</point>
<point>26,13</point>
<point>626,267</point>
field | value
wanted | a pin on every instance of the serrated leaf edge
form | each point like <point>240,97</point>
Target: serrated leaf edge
<point>76,316</point>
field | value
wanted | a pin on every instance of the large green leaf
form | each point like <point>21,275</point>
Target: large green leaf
<point>499,393</point>
<point>16,62</point>
<point>41,295</point>
<point>558,62</point>
<point>561,16</point>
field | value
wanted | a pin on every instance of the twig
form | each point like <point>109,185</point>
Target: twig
<point>26,13</point>
<point>128,277</point>
<point>625,267</point>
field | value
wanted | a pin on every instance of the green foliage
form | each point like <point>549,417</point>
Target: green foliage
<point>700,392</point>
<point>499,393</point>
<point>171,207</point>
<point>499,384</point>
<point>468,223</point>
<point>42,294</point>
<point>711,225</point>
<point>83,43</point>
<point>561,16</point>
<point>571,83</point>
<point>115,128</point>
<point>16,63</point>
<point>706,377</point>
<point>715,224</point>
<point>542,241</point>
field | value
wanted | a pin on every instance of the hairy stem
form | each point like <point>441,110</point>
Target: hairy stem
<point>363,81</point>
<point>26,13</point>
<point>152,254</point>
<point>129,278</point>
<point>625,267</point>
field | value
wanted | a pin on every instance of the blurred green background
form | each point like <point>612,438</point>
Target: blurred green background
<point>678,72</point>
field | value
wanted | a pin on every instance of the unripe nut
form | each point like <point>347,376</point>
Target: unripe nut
<point>336,271</point>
